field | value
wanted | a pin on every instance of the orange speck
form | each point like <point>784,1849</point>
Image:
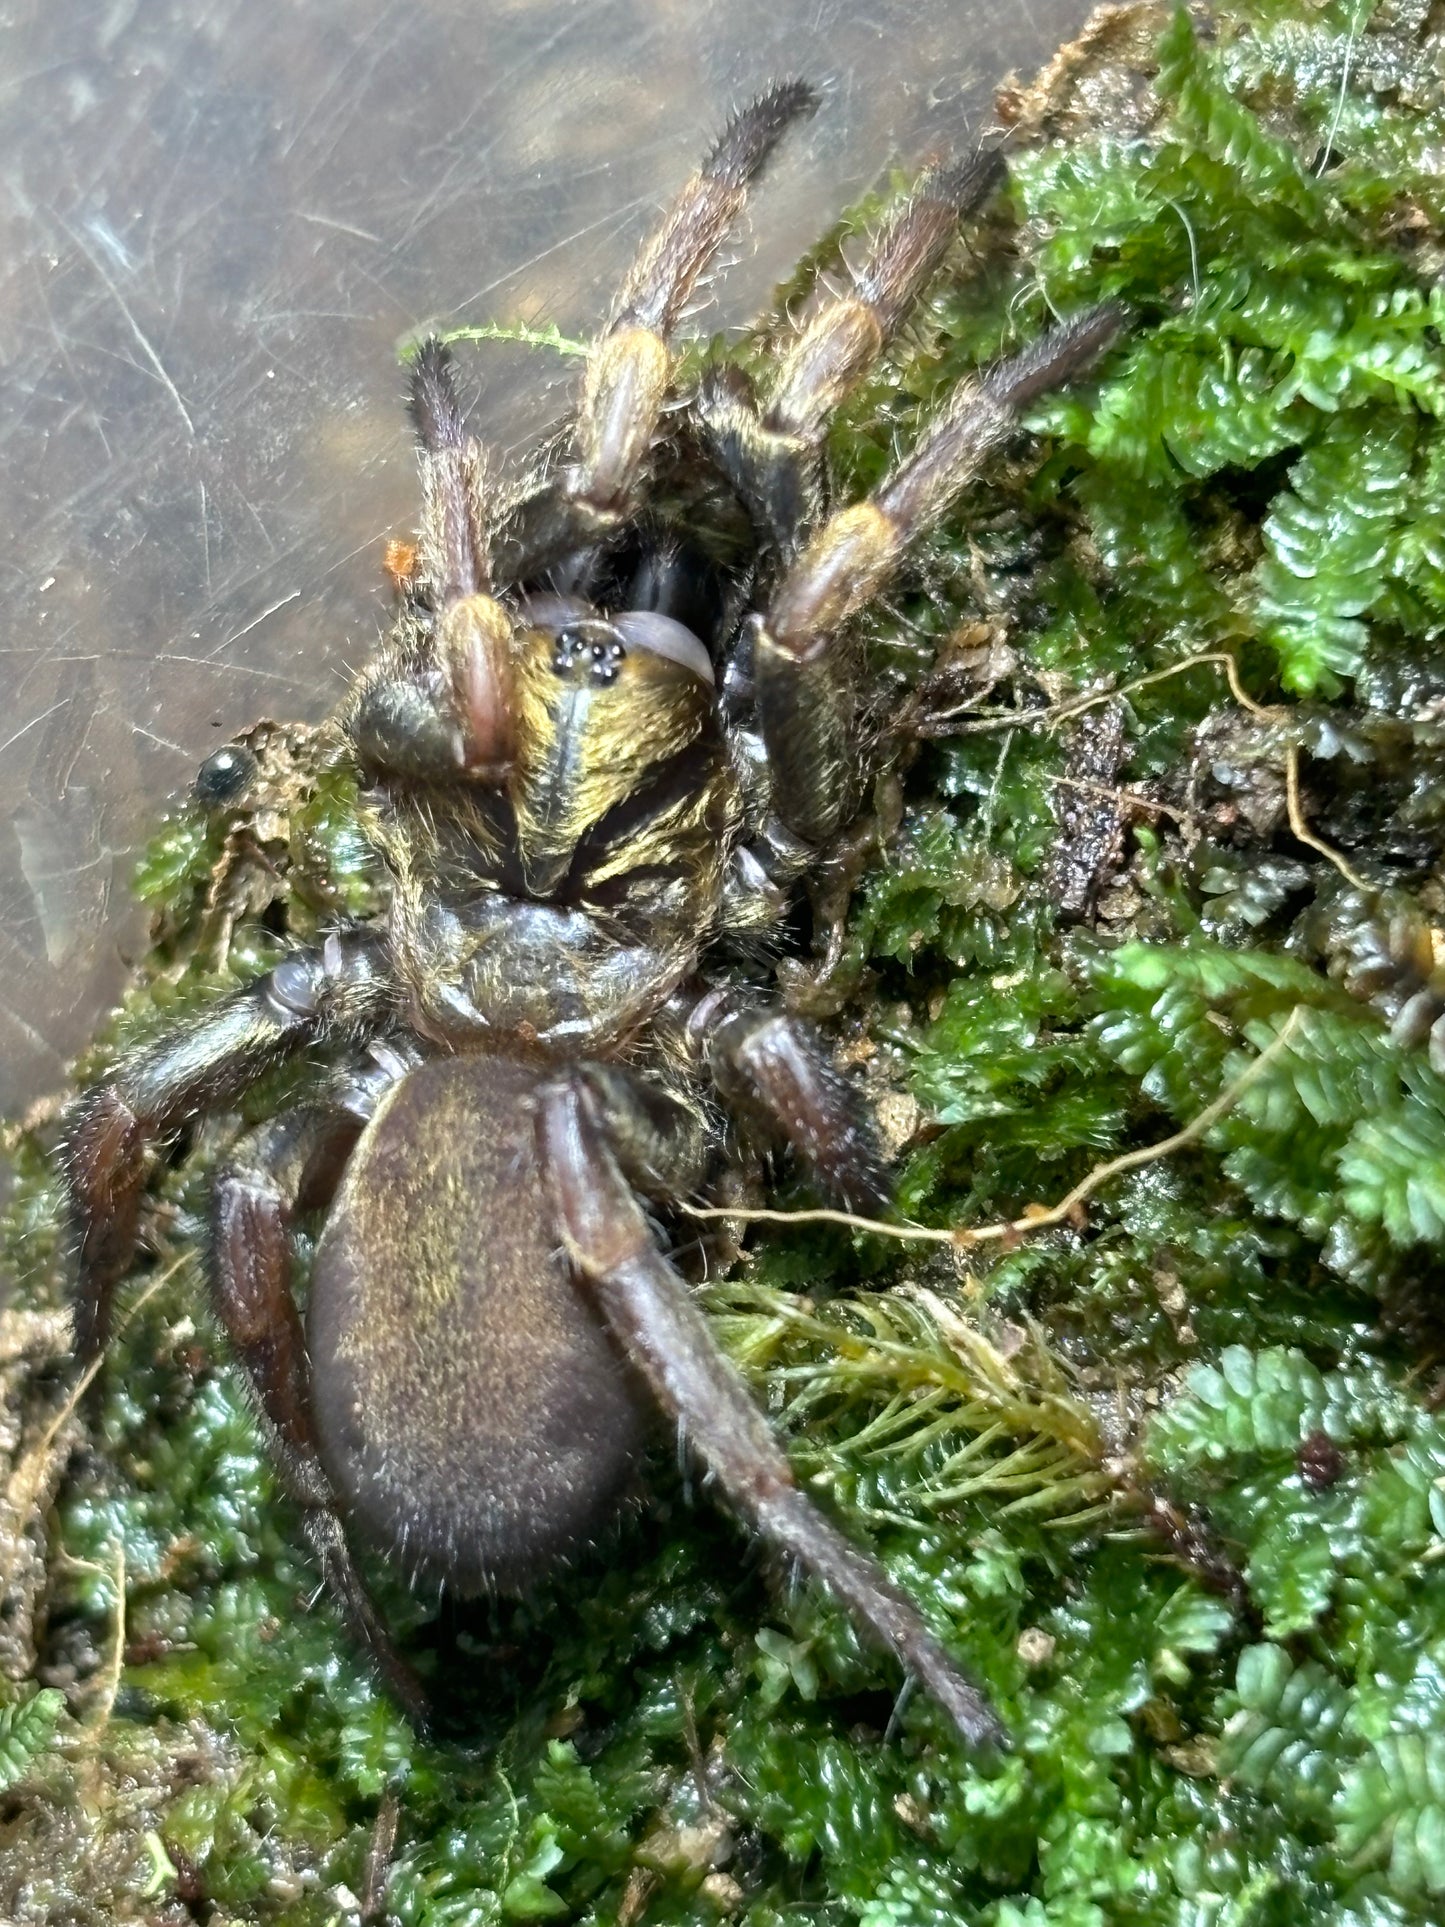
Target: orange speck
<point>401,561</point>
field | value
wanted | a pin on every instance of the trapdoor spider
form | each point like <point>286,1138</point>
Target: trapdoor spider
<point>614,728</point>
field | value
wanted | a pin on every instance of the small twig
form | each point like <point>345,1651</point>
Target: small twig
<point>1301,829</point>
<point>517,332</point>
<point>1037,1217</point>
<point>117,1656</point>
<point>97,1721</point>
<point>29,1473</point>
<point>1056,713</point>
<point>1122,799</point>
<point>380,1849</point>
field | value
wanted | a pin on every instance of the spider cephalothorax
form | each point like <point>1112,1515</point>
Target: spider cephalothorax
<point>599,751</point>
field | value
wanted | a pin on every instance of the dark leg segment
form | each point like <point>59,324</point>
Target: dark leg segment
<point>800,657</point>
<point>290,1165</point>
<point>454,538</point>
<point>660,1142</point>
<point>771,451</point>
<point>667,270</point>
<point>630,367</point>
<point>437,703</point>
<point>653,1315</point>
<point>774,1066</point>
<point>206,1061</point>
<point>848,335</point>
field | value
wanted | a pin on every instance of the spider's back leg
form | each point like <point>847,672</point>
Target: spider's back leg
<point>291,1165</point>
<point>205,1061</point>
<point>654,1316</point>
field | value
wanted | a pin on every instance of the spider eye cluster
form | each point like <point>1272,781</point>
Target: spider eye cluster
<point>602,644</point>
<point>593,645</point>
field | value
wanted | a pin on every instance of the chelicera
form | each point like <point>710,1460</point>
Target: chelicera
<point>615,729</point>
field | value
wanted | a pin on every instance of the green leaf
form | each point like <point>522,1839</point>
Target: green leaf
<point>26,1729</point>
<point>1328,544</point>
<point>1391,1809</point>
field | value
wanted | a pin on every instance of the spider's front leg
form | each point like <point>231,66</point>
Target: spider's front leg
<point>802,672</point>
<point>773,1067</point>
<point>204,1062</point>
<point>771,448</point>
<point>630,367</point>
<point>437,702</point>
<point>650,1310</point>
<point>292,1165</point>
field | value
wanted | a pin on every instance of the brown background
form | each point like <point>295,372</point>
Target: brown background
<point>217,221</point>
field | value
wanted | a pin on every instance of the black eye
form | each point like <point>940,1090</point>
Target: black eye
<point>225,776</point>
<point>592,646</point>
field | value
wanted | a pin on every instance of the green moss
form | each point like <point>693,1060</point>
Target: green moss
<point>1163,1474</point>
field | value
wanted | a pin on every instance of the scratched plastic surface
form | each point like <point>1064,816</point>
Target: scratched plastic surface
<point>218,219</point>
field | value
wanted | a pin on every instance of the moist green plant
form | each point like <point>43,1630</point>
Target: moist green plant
<point>1165,1470</point>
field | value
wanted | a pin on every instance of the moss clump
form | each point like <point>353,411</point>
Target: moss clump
<point>1167,1473</point>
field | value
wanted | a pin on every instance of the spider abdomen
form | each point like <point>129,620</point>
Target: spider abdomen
<point>472,1412</point>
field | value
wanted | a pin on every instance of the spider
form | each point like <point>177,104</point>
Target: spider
<point>614,729</point>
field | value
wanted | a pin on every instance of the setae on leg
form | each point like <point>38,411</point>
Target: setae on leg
<point>630,365</point>
<point>653,1315</point>
<point>286,1167</point>
<point>201,1064</point>
<point>771,447</point>
<point>773,1066</point>
<point>437,703</point>
<point>801,661</point>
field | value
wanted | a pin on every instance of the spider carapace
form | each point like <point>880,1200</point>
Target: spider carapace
<point>619,722</point>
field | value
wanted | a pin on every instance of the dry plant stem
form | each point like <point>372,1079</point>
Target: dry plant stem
<point>109,1681</point>
<point>1056,713</point>
<point>1301,830</point>
<point>116,1665</point>
<point>1037,1217</point>
<point>1124,799</point>
<point>29,1472</point>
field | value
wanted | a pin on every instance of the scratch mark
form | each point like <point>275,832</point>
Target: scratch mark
<point>206,534</point>
<point>615,219</point>
<point>255,623</point>
<point>109,243</point>
<point>252,671</point>
<point>29,1033</point>
<point>164,742</point>
<point>142,339</point>
<point>24,727</point>
<point>251,510</point>
<point>341,227</point>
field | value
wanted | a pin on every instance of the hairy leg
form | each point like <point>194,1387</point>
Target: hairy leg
<point>660,1141</point>
<point>437,701</point>
<point>206,1061</point>
<point>771,447</point>
<point>651,1312</point>
<point>773,1067</point>
<point>630,366</point>
<point>801,658</point>
<point>291,1165</point>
